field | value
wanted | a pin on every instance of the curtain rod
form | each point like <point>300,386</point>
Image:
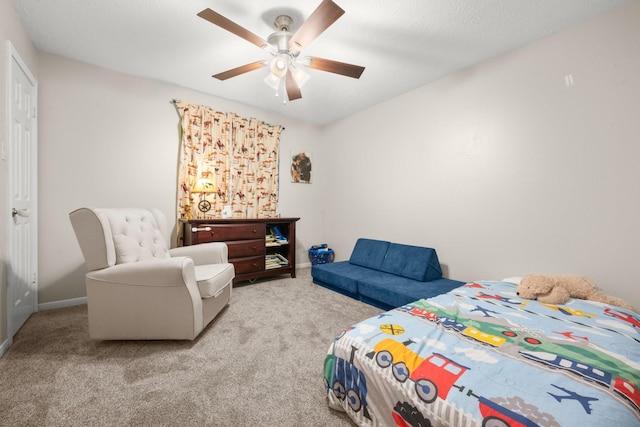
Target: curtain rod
<point>175,101</point>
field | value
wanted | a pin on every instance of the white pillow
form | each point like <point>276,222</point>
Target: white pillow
<point>515,280</point>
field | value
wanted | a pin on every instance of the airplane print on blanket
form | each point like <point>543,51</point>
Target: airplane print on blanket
<point>481,356</point>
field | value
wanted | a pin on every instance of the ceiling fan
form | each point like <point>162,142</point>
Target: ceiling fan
<point>285,47</point>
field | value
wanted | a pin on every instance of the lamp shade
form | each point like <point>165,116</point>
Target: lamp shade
<point>204,185</point>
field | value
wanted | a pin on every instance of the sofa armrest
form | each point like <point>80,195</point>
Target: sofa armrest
<point>204,253</point>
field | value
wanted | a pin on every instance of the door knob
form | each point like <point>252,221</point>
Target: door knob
<point>20,212</point>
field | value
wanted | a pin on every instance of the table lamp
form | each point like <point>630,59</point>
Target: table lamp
<point>204,186</point>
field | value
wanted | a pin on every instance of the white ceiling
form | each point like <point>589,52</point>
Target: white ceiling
<point>404,44</point>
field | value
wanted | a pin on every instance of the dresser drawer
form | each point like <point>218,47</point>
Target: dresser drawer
<point>246,248</point>
<point>248,265</point>
<point>222,232</point>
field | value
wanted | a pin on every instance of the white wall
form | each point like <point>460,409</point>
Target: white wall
<point>503,168</point>
<point>110,139</point>
<point>11,30</point>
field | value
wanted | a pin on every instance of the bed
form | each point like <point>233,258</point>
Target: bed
<point>481,356</point>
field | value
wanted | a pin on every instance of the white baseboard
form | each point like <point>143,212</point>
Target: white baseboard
<point>4,347</point>
<point>61,304</point>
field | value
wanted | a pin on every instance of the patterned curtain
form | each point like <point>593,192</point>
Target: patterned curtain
<point>205,140</point>
<point>254,167</point>
<point>240,156</point>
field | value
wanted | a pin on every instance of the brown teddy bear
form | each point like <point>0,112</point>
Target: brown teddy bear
<point>559,289</point>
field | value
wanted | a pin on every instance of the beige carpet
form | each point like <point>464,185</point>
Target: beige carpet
<point>258,364</point>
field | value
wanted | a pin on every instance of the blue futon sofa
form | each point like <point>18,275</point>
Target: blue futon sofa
<point>385,275</point>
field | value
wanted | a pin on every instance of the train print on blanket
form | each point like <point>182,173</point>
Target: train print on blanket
<point>481,356</point>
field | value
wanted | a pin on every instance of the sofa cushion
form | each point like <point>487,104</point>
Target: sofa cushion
<point>212,278</point>
<point>341,276</point>
<point>388,291</point>
<point>413,262</point>
<point>369,253</point>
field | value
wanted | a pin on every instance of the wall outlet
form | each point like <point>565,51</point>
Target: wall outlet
<point>568,80</point>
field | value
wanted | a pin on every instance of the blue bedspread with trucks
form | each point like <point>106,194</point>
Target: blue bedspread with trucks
<point>481,356</point>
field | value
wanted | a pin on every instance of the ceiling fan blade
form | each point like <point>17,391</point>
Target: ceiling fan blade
<point>325,14</point>
<point>225,23</point>
<point>293,90</point>
<point>239,70</point>
<point>336,67</point>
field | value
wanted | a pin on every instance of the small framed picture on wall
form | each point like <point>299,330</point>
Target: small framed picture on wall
<point>301,167</point>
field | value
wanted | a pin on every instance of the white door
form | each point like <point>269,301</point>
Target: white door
<point>22,268</point>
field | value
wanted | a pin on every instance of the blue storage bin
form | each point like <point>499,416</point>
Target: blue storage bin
<point>321,254</point>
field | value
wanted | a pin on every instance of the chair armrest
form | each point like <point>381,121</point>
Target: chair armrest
<point>204,253</point>
<point>156,299</point>
<point>178,271</point>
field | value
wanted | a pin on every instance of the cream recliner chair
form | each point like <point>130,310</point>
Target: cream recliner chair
<point>138,288</point>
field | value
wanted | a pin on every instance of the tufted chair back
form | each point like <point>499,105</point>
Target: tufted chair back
<point>116,236</point>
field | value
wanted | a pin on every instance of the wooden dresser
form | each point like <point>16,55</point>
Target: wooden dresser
<point>252,250</point>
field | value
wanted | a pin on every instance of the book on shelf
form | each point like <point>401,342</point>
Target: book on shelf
<point>275,261</point>
<point>275,235</point>
<point>271,240</point>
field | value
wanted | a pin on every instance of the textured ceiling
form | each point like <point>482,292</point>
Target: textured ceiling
<point>403,44</point>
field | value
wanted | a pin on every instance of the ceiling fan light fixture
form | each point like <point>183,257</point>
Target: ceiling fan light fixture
<point>306,61</point>
<point>278,67</point>
<point>300,76</point>
<point>273,81</point>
